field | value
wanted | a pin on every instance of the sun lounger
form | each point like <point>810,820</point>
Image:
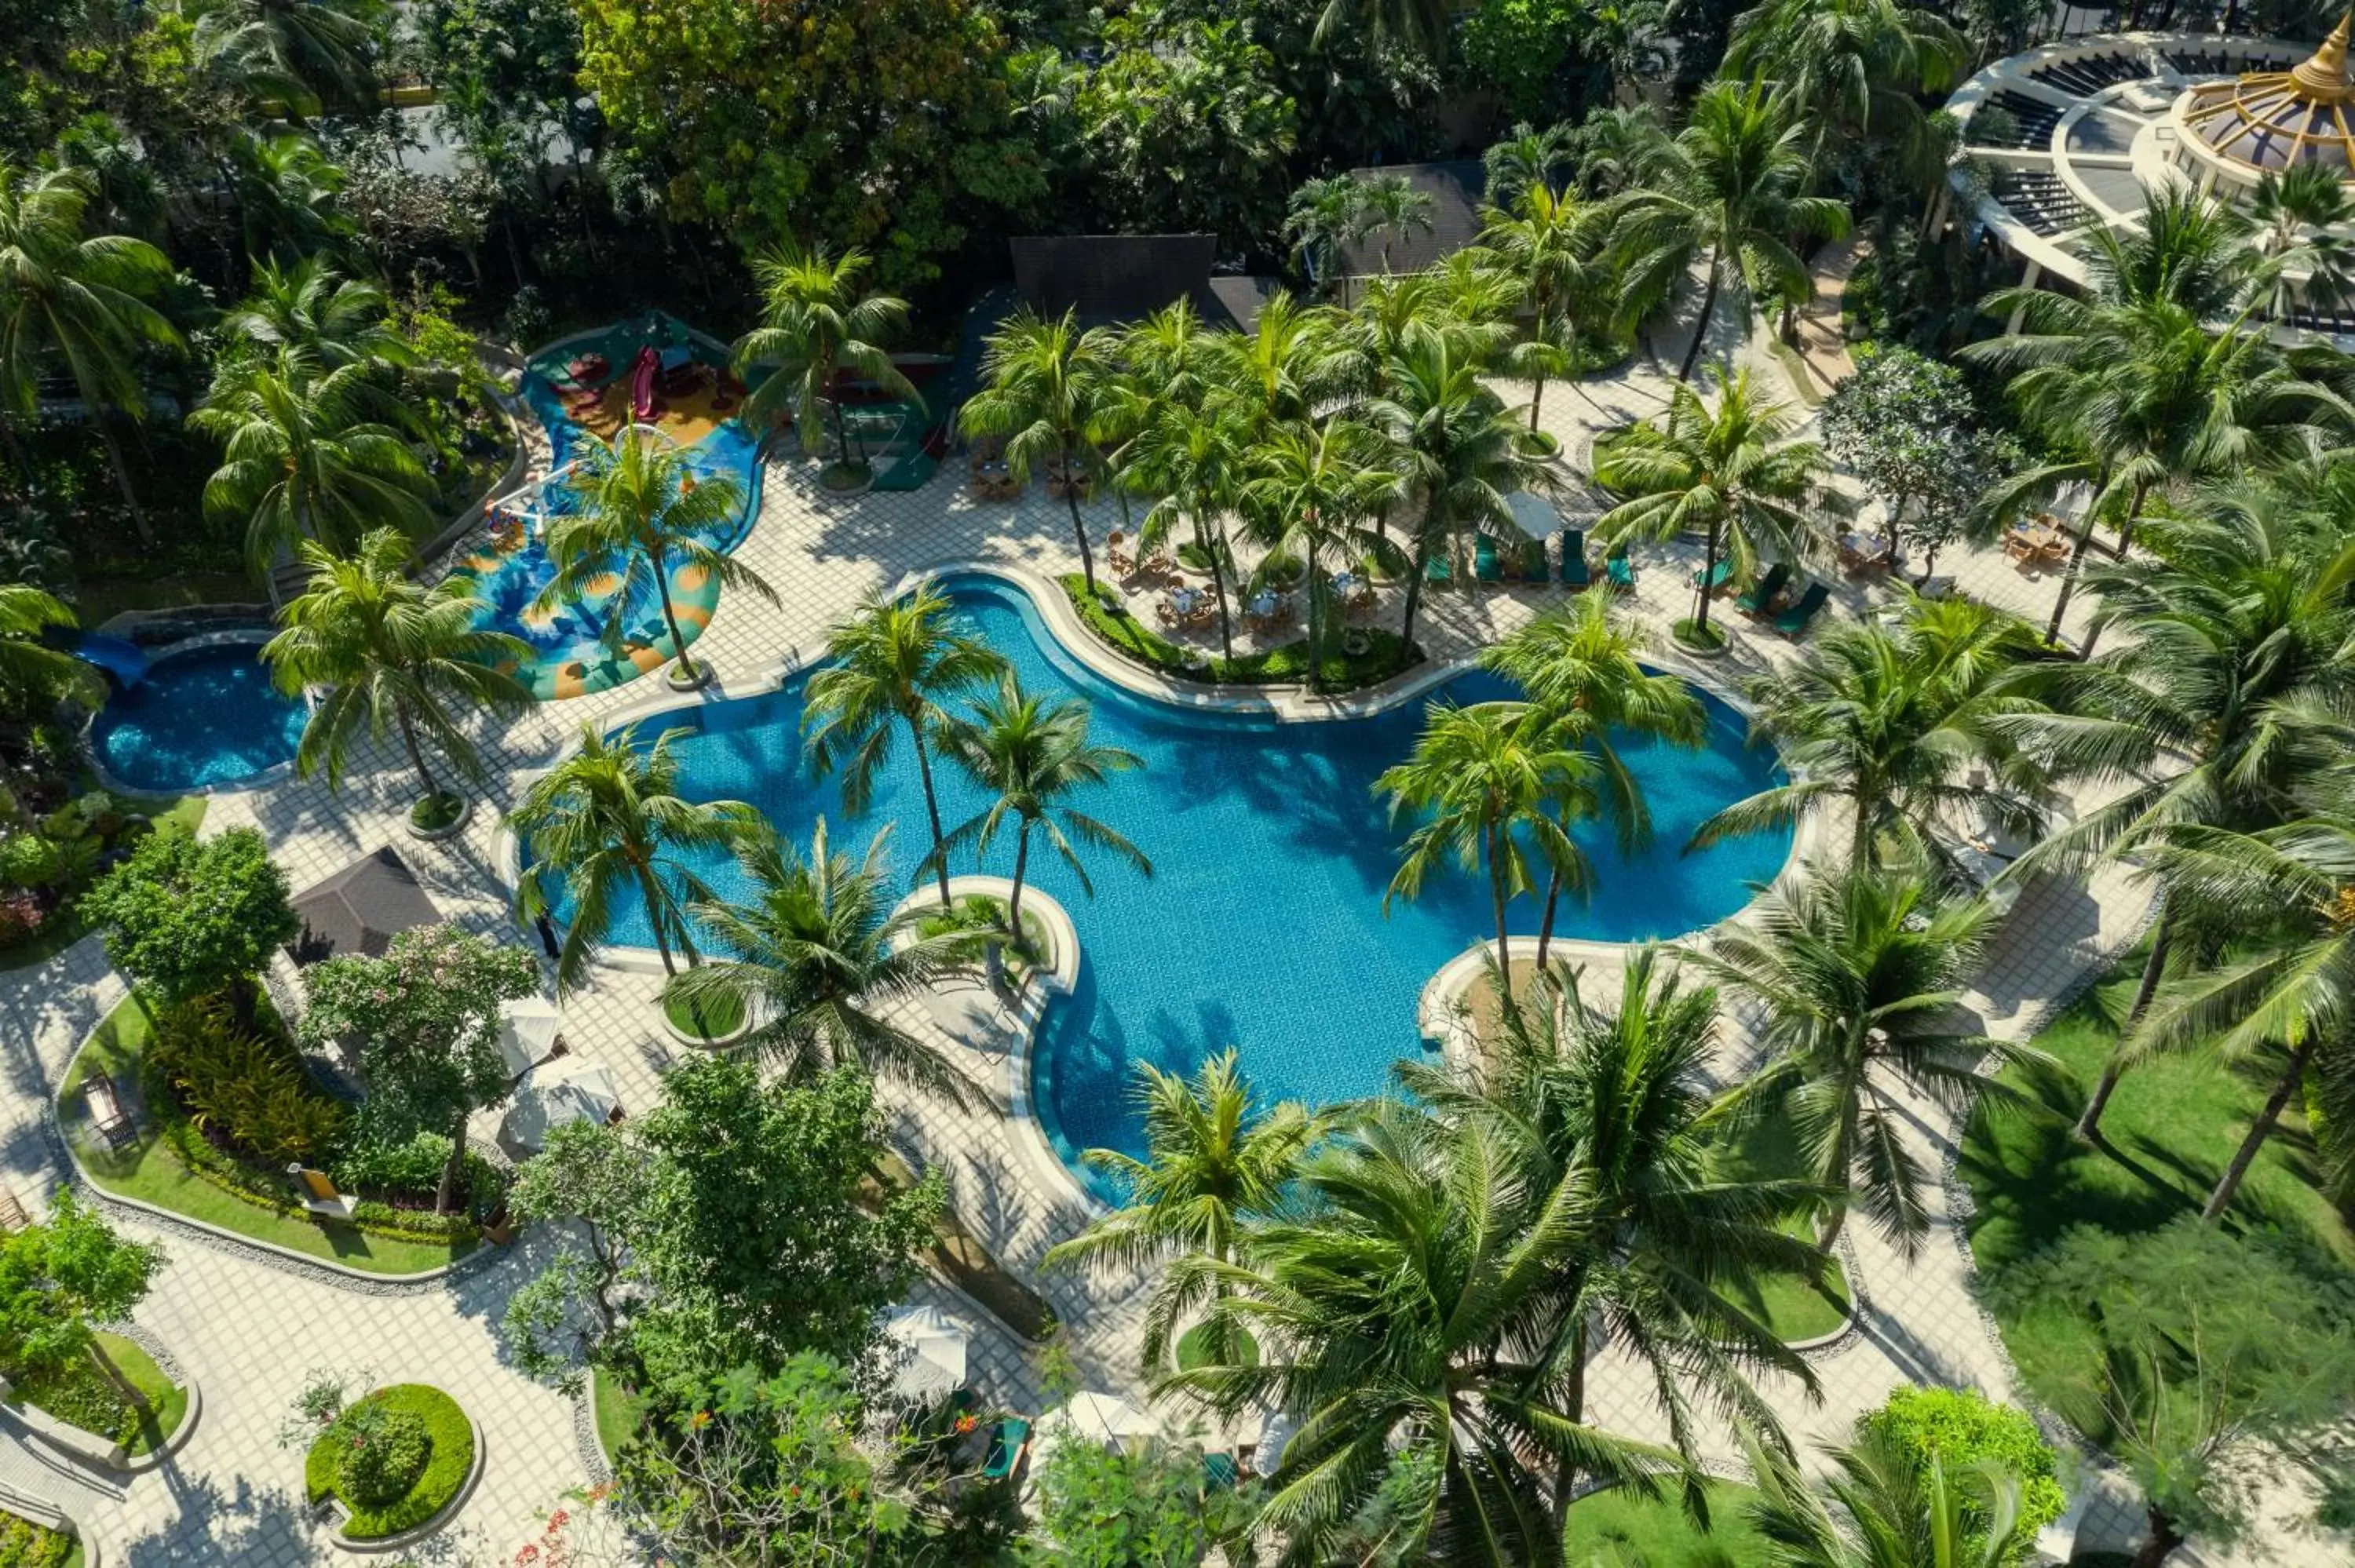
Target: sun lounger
<point>1219,1472</point>
<point>1486,565</point>
<point>1720,576</point>
<point>1437,572</point>
<point>1576,575</point>
<point>1794,620</point>
<point>1759,597</point>
<point>107,1116</point>
<point>1007,1441</point>
<point>1621,572</point>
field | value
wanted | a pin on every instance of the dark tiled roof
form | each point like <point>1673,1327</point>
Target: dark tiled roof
<point>1456,190</point>
<point>360,909</point>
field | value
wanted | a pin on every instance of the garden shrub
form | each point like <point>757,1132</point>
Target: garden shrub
<point>448,1440</point>
<point>1963,1427</point>
<point>23,1544</point>
<point>269,1190</point>
<point>1287,665</point>
<point>389,1173</point>
<point>382,1451</point>
<point>244,1086</point>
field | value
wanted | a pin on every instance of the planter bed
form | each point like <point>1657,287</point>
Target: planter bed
<point>80,1395</point>
<point>1284,666</point>
<point>452,1465</point>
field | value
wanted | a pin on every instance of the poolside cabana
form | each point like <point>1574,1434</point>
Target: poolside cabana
<point>360,909</point>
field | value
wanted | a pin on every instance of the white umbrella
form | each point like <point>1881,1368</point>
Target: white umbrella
<point>1097,1418</point>
<point>528,1032</point>
<point>1275,1430</point>
<point>1536,518</point>
<point>936,1343</point>
<point>556,1093</point>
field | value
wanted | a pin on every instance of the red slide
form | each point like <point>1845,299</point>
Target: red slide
<point>641,384</point>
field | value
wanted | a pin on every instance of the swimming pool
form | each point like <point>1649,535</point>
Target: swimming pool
<point>197,719</point>
<point>1262,924</point>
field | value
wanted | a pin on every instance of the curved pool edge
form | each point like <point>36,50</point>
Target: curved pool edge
<point>269,777</point>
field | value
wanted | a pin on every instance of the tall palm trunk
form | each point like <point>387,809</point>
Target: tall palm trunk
<point>1545,925</point>
<point>670,615</point>
<point>1496,896</point>
<point>650,894</point>
<point>1021,869</point>
<point>1416,569</point>
<point>139,523</point>
<point>2259,1130</point>
<point>2077,560</point>
<point>1573,1408</point>
<point>931,802</point>
<point>1079,528</point>
<point>1708,572</point>
<point>2089,1125</point>
<point>416,753</point>
<point>1213,545</point>
<point>1708,308</point>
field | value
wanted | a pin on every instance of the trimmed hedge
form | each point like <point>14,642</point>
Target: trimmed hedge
<point>1284,666</point>
<point>452,1436</point>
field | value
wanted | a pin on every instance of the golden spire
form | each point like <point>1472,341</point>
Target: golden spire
<point>2324,77</point>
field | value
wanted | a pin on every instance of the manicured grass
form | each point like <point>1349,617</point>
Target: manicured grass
<point>2174,1121</point>
<point>444,1473</point>
<point>1287,665</point>
<point>1615,1526</point>
<point>80,1394</point>
<point>714,1019</point>
<point>1194,1348</point>
<point>149,1170</point>
<point>67,927</point>
<point>619,1412</point>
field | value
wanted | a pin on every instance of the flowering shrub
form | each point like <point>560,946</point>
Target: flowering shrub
<point>382,1452</point>
<point>20,916</point>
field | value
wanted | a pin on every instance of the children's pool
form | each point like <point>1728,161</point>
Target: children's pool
<point>197,719</point>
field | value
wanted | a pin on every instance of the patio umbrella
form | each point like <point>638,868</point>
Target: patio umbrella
<point>554,1094</point>
<point>528,1032</point>
<point>1536,517</point>
<point>936,1367</point>
<point>1098,1418</point>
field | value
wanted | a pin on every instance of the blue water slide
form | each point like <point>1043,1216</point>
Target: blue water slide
<point>119,657</point>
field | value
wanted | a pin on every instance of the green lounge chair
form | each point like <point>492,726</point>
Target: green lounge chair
<point>1533,561</point>
<point>1718,575</point>
<point>1794,620</point>
<point>1219,1472</point>
<point>1621,571</point>
<point>1436,571</point>
<point>1576,573</point>
<point>1754,599</point>
<point>1486,565</point>
<point>1007,1441</point>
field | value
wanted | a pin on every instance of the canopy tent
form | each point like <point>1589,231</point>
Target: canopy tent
<point>553,1093</point>
<point>1098,1418</point>
<point>936,1344</point>
<point>528,1030</point>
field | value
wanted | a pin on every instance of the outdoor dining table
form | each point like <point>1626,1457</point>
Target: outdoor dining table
<point>1345,583</point>
<point>1262,603</point>
<point>1184,600</point>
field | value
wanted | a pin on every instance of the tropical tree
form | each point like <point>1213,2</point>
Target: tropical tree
<point>1326,217</point>
<point>1035,754</point>
<point>1216,1158</point>
<point>301,461</point>
<point>1530,156</point>
<point>338,320</point>
<point>818,956</point>
<point>2300,216</point>
<point>1547,242</point>
<point>888,669</point>
<point>646,516</point>
<point>287,193</point>
<point>1582,669</point>
<point>1728,192</point>
<point>328,46</point>
<point>26,612</point>
<point>77,297</point>
<point>1861,67</point>
<point>1917,725</point>
<point>1730,473</point>
<point>1394,209</point>
<point>1049,389</point>
<point>1857,972</point>
<point>1879,1510</point>
<point>1483,780</point>
<point>1314,496</point>
<point>1194,454</point>
<point>607,824</point>
<point>385,652</point>
<point>1420,25</point>
<point>816,322</point>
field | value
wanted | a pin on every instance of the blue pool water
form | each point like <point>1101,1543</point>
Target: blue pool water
<point>1263,926</point>
<point>207,716</point>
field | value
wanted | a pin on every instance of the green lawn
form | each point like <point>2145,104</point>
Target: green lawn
<point>82,1395</point>
<point>618,1411</point>
<point>1795,1307</point>
<point>2175,1122</point>
<point>451,1460</point>
<point>1612,1528</point>
<point>149,1170</point>
<point>69,927</point>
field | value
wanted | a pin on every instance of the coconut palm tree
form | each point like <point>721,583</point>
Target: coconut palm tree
<point>1419,25</point>
<point>1879,1510</point>
<point>888,669</point>
<point>309,305</point>
<point>607,824</point>
<point>78,299</point>
<point>389,653</point>
<point>1410,1317</point>
<point>1861,67</point>
<point>1483,780</point>
<point>2300,216</point>
<point>1327,216</point>
<point>1530,156</point>
<point>1035,753</point>
<point>1311,499</point>
<point>286,191</point>
<point>645,516</point>
<point>815,953</point>
<point>1730,473</point>
<point>1193,455</point>
<point>327,45</point>
<point>1728,191</point>
<point>1395,210</point>
<point>816,323</point>
<point>1216,1159</point>
<point>1581,666</point>
<point>1547,242</point>
<point>1918,726</point>
<point>301,461</point>
<point>26,612</point>
<point>1049,389</point>
<point>1857,972</point>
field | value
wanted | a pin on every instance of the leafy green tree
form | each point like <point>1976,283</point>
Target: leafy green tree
<point>1327,216</point>
<point>819,959</point>
<point>888,669</point>
<point>1102,1508</point>
<point>328,46</point>
<point>289,195</point>
<point>1395,210</point>
<point>1315,496</point>
<point>1217,1158</point>
<point>569,1314</point>
<point>1529,157</point>
<point>1908,426</point>
<point>1035,754</point>
<point>2301,216</point>
<point>1731,473</point>
<point>391,653</point>
<point>187,918</point>
<point>1548,242</point>
<point>1049,389</point>
<point>1420,25</point>
<point>761,1241</point>
<point>309,305</point>
<point>301,461</point>
<point>1960,1428</point>
<point>80,298</point>
<point>59,1279</point>
<point>646,516</point>
<point>1881,1509</point>
<point>1728,192</point>
<point>1196,457</point>
<point>608,823</point>
<point>26,612</point>
<point>816,322</point>
<point>424,1019</point>
<point>1858,67</point>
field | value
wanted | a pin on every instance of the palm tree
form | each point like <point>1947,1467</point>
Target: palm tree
<point>1193,455</point>
<point>1582,669</point>
<point>1729,187</point>
<point>300,459</point>
<point>1485,780</point>
<point>1420,25</point>
<point>1546,242</point>
<point>644,514</point>
<point>1048,389</point>
<point>1394,209</point>
<point>1879,1510</point>
<point>1327,216</point>
<point>77,297</point>
<point>2300,216</point>
<point>391,653</point>
<point>608,823</point>
<point>26,612</point>
<point>1313,499</point>
<point>1216,1159</point>
<point>1530,156</point>
<point>1861,66</point>
<point>338,320</point>
<point>816,323</point>
<point>1035,753</point>
<point>327,45</point>
<point>1917,726</point>
<point>1857,972</point>
<point>889,668</point>
<point>818,956</point>
<point>1730,472</point>
<point>286,191</point>
<point>1410,1316</point>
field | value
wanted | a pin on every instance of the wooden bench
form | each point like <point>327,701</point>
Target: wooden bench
<point>107,1116</point>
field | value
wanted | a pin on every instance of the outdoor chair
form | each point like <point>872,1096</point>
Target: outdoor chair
<point>1577,575</point>
<point>1486,565</point>
<point>1759,597</point>
<point>1437,571</point>
<point>1008,1440</point>
<point>1621,573</point>
<point>1721,577</point>
<point>1793,621</point>
<point>107,1116</point>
